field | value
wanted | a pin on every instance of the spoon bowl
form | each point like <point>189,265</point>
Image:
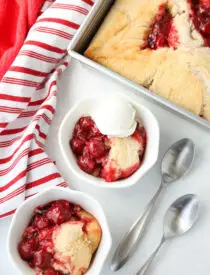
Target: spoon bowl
<point>179,219</point>
<point>178,160</point>
<point>181,216</point>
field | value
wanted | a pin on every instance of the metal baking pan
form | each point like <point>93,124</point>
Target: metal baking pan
<point>82,40</point>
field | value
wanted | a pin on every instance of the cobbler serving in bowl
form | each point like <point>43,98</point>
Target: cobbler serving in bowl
<point>109,141</point>
<point>111,158</point>
<point>59,231</point>
<point>61,238</point>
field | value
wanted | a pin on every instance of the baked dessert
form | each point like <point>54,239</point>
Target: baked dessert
<point>108,157</point>
<point>162,45</point>
<point>61,238</point>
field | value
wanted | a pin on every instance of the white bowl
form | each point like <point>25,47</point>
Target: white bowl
<point>24,213</point>
<point>84,108</point>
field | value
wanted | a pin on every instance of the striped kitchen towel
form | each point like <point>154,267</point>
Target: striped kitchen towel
<point>28,102</point>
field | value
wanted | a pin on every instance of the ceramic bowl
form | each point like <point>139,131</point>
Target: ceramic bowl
<point>85,107</point>
<point>24,213</point>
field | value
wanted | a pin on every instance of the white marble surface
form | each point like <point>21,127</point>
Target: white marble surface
<point>186,255</point>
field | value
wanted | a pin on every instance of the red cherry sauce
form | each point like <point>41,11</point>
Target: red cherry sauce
<point>89,146</point>
<point>200,15</point>
<point>163,33</point>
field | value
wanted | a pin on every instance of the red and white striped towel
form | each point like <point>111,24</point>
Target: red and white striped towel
<point>28,102</point>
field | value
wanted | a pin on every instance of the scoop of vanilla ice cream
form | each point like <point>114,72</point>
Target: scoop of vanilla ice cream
<point>73,249</point>
<point>115,117</point>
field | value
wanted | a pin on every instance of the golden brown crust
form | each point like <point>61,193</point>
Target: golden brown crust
<point>175,81</point>
<point>182,75</point>
<point>93,229</point>
<point>140,68</point>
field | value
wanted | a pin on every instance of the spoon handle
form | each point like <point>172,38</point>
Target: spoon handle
<point>136,233</point>
<point>144,269</point>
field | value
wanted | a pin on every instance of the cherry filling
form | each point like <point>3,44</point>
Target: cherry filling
<point>200,14</point>
<point>163,33</point>
<point>89,146</point>
<point>36,246</point>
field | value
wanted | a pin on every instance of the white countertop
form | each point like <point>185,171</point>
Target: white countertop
<point>185,255</point>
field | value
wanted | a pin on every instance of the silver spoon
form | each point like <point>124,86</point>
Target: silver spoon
<point>176,163</point>
<point>178,220</point>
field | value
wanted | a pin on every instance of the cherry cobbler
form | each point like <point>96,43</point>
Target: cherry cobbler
<point>111,158</point>
<point>162,45</point>
<point>61,238</point>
